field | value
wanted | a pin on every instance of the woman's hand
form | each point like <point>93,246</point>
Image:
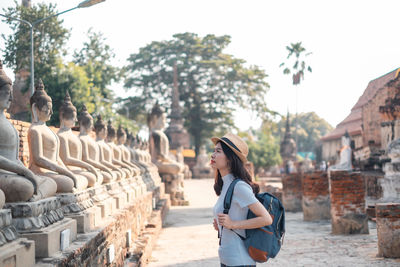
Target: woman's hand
<point>225,221</point>
<point>215,225</point>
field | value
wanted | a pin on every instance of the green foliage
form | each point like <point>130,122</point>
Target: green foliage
<point>311,128</point>
<point>299,65</point>
<point>263,148</point>
<point>49,38</point>
<point>95,57</point>
<point>211,83</point>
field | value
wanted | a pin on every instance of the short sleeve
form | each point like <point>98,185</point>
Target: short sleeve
<point>243,194</point>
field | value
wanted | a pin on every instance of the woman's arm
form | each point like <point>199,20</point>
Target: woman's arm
<point>263,218</point>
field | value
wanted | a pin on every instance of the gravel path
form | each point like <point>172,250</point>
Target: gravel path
<point>188,238</point>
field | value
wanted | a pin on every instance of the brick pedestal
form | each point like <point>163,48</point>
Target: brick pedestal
<point>316,203</point>
<point>388,227</point>
<point>292,192</point>
<point>347,194</point>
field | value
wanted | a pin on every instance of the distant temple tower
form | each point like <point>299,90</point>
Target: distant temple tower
<point>177,135</point>
<point>288,147</point>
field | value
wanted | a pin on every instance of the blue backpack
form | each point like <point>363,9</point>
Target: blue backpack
<point>265,242</point>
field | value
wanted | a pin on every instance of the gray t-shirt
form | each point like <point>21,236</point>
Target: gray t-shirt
<point>232,250</point>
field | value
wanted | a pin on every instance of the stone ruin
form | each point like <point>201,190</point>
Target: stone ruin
<point>73,198</point>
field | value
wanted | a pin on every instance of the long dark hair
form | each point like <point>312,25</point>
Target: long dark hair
<point>238,171</point>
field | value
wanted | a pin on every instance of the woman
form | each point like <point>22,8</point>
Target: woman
<point>228,162</point>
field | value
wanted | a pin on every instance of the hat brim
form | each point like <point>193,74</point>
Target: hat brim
<point>215,140</point>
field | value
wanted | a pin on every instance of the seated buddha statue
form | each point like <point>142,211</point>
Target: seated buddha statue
<point>17,182</point>
<point>106,153</point>
<point>44,146</point>
<point>345,155</point>
<point>159,146</point>
<point>115,152</point>
<point>125,155</point>
<point>90,149</point>
<point>71,146</point>
<point>202,169</point>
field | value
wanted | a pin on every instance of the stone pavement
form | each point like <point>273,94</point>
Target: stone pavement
<point>189,239</point>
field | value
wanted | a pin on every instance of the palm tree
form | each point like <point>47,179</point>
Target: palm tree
<point>298,69</point>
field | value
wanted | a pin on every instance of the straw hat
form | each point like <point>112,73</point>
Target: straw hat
<point>234,142</point>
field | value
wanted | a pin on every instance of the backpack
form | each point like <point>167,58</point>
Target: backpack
<point>265,242</point>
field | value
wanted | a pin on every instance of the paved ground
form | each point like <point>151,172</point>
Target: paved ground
<point>188,238</point>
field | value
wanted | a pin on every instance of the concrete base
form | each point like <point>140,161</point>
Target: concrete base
<point>350,224</point>
<point>48,240</point>
<point>86,219</point>
<point>291,203</point>
<point>316,209</point>
<point>18,253</point>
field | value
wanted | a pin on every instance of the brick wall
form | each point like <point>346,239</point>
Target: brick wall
<point>347,195</point>
<point>372,184</point>
<point>315,201</point>
<point>388,227</point>
<point>292,192</point>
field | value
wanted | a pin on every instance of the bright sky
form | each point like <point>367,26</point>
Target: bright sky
<point>352,42</point>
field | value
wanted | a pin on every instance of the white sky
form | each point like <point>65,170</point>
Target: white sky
<point>352,42</point>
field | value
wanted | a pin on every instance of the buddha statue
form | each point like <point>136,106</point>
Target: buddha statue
<point>71,146</point>
<point>181,159</point>
<point>17,182</point>
<point>116,153</point>
<point>202,169</point>
<point>159,146</point>
<point>345,162</point>
<point>307,165</point>
<point>44,146</point>
<point>90,149</point>
<point>106,153</point>
<point>125,155</point>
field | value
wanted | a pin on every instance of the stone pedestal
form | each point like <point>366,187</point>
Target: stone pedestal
<point>43,222</point>
<point>347,194</point>
<point>292,192</point>
<point>316,203</point>
<point>174,187</point>
<point>388,227</point>
<point>119,196</point>
<point>79,206</point>
<point>14,251</point>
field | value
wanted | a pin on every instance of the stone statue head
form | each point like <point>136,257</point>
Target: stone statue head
<point>156,119</point>
<point>41,103</point>
<point>129,137</point>
<point>85,119</point>
<point>67,112</point>
<point>110,132</point>
<point>121,135</point>
<point>100,128</point>
<point>6,95</point>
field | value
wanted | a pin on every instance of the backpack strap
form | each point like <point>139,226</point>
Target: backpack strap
<point>228,196</point>
<point>227,205</point>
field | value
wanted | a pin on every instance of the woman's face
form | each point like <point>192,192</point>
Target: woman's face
<point>218,159</point>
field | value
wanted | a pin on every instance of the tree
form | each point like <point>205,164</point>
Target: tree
<point>95,57</point>
<point>311,129</point>
<point>299,66</point>
<point>263,148</point>
<point>49,39</point>
<point>297,70</point>
<point>211,83</point>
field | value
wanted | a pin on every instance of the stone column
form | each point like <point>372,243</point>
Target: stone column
<point>347,194</point>
<point>388,227</point>
<point>316,203</point>
<point>292,192</point>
